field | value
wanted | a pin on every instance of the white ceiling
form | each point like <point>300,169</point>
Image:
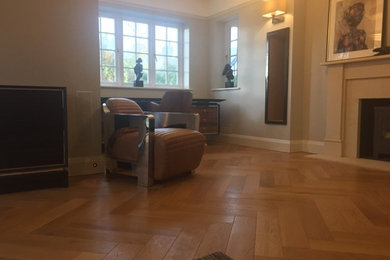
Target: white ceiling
<point>195,7</point>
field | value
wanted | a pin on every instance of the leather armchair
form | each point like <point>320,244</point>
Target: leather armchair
<point>154,153</point>
<point>173,101</point>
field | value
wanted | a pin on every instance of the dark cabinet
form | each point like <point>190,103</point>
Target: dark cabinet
<point>209,118</point>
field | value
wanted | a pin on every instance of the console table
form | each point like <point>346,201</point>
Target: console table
<point>208,110</point>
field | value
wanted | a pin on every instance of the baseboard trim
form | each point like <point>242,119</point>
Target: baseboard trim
<point>273,144</point>
<point>86,165</point>
<point>314,146</point>
<point>358,162</point>
<point>257,142</point>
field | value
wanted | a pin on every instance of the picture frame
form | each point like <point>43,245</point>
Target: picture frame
<point>354,28</point>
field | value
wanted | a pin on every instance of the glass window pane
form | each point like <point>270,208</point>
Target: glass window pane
<point>129,28</point>
<point>233,48</point>
<point>172,49</point>
<point>129,60</point>
<point>233,61</point>
<point>233,33</point>
<point>161,63</point>
<point>107,25</point>
<point>172,78</point>
<point>145,60</point>
<point>128,43</point>
<point>128,75</point>
<point>161,32</point>
<point>161,77</point>
<point>145,76</point>
<point>161,47</point>
<point>108,41</point>
<point>142,45</point>
<point>172,34</point>
<point>107,74</point>
<point>108,58</point>
<point>173,63</point>
<point>142,30</point>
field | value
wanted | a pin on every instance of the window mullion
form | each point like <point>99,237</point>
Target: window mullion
<point>119,51</point>
<point>152,55</point>
<point>180,46</point>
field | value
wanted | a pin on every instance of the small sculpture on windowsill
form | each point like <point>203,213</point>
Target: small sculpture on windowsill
<point>138,73</point>
<point>228,73</point>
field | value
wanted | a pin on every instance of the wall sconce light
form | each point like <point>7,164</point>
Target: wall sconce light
<point>274,9</point>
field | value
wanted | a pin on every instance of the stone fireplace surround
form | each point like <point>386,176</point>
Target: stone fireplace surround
<point>349,81</point>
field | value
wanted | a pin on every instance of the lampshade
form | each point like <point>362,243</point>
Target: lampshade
<point>272,8</point>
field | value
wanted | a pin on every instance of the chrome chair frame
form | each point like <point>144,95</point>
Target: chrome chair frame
<point>146,123</point>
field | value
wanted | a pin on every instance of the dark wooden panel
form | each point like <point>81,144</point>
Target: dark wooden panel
<point>31,181</point>
<point>209,122</point>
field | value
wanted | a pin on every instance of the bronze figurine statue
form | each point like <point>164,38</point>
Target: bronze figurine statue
<point>138,73</point>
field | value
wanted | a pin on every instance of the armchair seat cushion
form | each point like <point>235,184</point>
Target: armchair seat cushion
<point>176,151</point>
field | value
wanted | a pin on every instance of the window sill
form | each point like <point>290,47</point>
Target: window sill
<point>143,88</point>
<point>224,89</point>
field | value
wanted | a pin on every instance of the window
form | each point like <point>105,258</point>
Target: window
<point>232,50</point>
<point>107,50</point>
<point>125,39</point>
<point>135,45</point>
<point>167,55</point>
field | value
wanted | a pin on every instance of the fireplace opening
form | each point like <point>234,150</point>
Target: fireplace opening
<point>375,129</point>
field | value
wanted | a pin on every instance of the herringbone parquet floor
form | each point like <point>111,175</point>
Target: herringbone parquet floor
<point>246,202</point>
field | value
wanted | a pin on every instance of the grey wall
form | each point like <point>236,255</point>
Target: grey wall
<point>315,75</point>
<point>243,110</point>
<point>55,43</point>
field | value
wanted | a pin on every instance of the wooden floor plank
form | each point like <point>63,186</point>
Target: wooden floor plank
<point>268,237</point>
<point>186,244</point>
<point>246,202</point>
<point>124,251</point>
<point>215,239</point>
<point>242,238</point>
<point>156,248</point>
<point>291,226</point>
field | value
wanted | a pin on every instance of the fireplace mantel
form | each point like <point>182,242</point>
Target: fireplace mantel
<point>349,81</point>
<point>356,60</point>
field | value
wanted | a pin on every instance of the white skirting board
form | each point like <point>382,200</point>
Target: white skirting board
<point>273,144</point>
<point>85,165</point>
<point>359,162</point>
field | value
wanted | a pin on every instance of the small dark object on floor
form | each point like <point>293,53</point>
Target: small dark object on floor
<point>382,50</point>
<point>215,256</point>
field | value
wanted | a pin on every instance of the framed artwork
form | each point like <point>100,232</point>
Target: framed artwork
<point>354,28</point>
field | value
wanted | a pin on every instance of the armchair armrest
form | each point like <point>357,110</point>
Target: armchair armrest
<point>144,125</point>
<point>176,120</point>
<point>113,121</point>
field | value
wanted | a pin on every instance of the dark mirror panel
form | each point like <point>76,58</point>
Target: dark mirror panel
<point>277,77</point>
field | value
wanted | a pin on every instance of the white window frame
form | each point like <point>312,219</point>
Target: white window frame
<point>119,18</point>
<point>229,24</point>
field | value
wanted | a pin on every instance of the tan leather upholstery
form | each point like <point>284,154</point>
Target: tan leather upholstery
<point>123,105</point>
<point>123,144</point>
<point>177,151</point>
<point>173,101</point>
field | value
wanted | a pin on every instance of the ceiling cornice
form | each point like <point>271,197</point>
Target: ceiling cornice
<point>197,8</point>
